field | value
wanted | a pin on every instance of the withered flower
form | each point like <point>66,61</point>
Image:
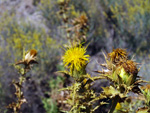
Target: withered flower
<point>118,55</point>
<point>130,67</point>
<point>128,72</point>
<point>81,21</point>
<point>80,27</point>
<point>30,58</point>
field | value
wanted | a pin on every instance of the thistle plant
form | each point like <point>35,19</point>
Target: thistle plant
<point>28,59</point>
<point>76,28</point>
<point>75,60</point>
<point>118,69</point>
<point>80,92</point>
<point>122,74</point>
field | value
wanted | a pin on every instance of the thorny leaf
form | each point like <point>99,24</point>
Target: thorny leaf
<point>110,91</point>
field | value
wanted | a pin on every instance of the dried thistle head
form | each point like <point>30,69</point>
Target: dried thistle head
<point>120,69</point>
<point>80,28</point>
<point>119,58</point>
<point>128,72</point>
<point>130,67</point>
<point>30,58</point>
<point>118,55</point>
<point>82,21</point>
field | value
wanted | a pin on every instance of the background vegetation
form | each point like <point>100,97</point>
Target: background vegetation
<point>36,24</point>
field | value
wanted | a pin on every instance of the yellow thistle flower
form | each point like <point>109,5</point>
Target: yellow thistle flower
<point>75,58</point>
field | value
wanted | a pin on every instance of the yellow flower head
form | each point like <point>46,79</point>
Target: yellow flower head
<point>75,58</point>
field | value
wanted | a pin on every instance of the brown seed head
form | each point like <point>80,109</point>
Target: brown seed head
<point>130,67</point>
<point>118,55</point>
<point>82,20</point>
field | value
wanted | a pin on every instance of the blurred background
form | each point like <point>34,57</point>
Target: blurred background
<point>36,24</point>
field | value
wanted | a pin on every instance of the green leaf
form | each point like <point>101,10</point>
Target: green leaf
<point>110,91</point>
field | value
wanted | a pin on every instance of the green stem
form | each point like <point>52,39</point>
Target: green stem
<point>114,103</point>
<point>20,83</point>
<point>22,78</point>
<point>73,95</point>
